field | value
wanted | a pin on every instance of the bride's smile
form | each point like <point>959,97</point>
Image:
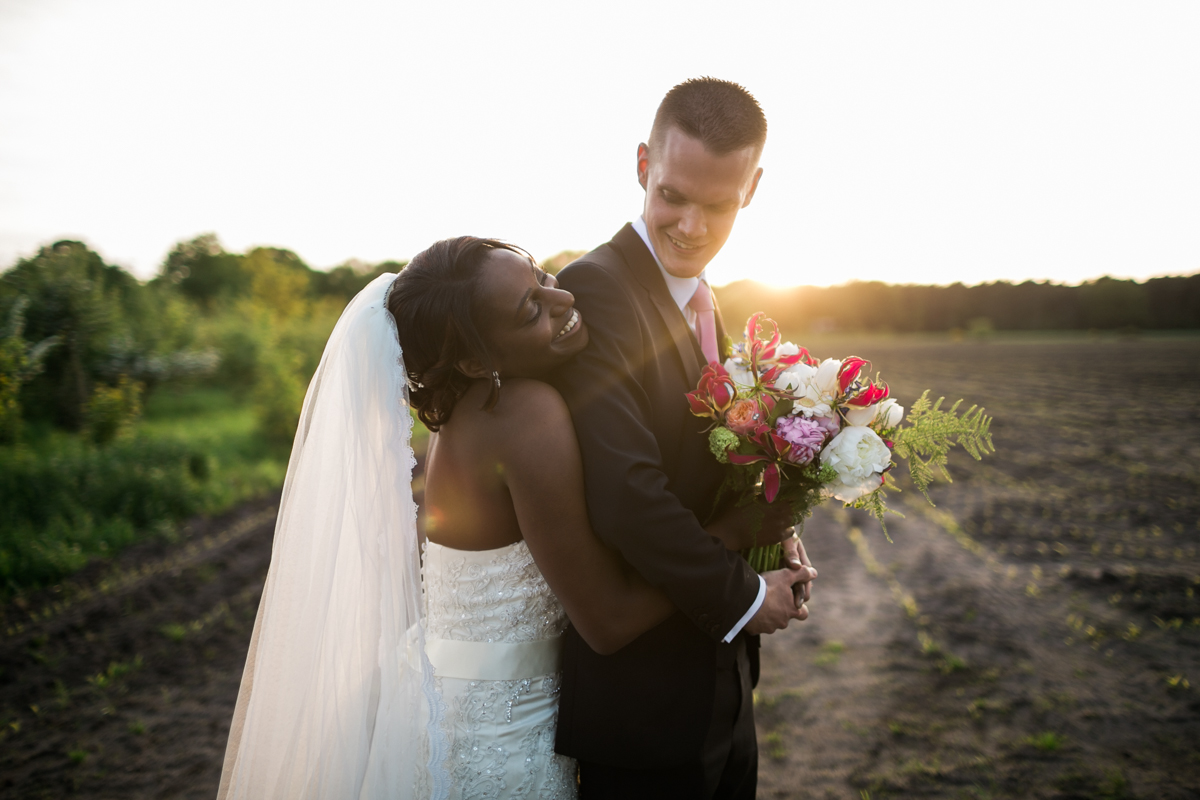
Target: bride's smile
<point>532,326</point>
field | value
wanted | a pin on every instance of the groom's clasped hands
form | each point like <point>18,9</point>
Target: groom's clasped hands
<point>788,589</point>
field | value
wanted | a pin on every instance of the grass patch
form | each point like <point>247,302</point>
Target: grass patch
<point>830,653</point>
<point>1047,741</point>
<point>65,501</point>
<point>774,746</point>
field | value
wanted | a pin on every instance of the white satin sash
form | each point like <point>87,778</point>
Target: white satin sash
<point>494,661</point>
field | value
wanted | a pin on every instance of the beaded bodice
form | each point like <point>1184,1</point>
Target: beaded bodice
<point>488,596</point>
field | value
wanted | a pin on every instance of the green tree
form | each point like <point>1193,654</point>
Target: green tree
<point>204,272</point>
<point>108,324</point>
<point>75,296</point>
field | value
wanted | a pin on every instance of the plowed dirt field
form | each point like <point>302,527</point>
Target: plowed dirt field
<point>1037,634</point>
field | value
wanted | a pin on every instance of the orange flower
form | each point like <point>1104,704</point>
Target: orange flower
<point>743,417</point>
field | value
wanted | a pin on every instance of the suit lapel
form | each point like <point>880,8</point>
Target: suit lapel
<point>645,270</point>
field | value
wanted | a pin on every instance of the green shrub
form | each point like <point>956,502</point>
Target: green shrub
<point>19,361</point>
<point>113,409</point>
<point>278,395</point>
<point>70,501</point>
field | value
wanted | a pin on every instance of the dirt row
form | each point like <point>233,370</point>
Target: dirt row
<point>121,683</point>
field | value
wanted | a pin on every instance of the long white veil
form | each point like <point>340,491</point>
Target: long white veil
<point>337,698</point>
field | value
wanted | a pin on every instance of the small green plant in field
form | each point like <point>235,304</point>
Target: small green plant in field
<point>775,748</point>
<point>174,631</point>
<point>116,670</point>
<point>978,707</point>
<point>1047,741</point>
<point>137,727</point>
<point>1177,682</point>
<point>830,653</point>
<point>952,663</point>
<point>77,756</point>
<point>915,766</point>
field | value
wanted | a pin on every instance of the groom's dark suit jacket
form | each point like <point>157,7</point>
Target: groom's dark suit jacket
<point>651,484</point>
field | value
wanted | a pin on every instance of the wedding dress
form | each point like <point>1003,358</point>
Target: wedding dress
<point>492,633</point>
<point>360,680</point>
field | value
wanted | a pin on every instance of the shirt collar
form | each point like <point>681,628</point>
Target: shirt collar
<point>681,289</point>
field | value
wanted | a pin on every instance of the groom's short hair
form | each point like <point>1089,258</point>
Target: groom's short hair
<point>722,115</point>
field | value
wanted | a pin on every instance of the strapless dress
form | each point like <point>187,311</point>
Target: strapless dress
<point>493,635</point>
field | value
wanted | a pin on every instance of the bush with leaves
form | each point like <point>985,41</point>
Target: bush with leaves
<point>112,410</point>
<point>107,325</point>
<point>19,361</point>
<point>68,501</point>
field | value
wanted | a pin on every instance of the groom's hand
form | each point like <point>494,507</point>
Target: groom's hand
<point>795,557</point>
<point>781,604</point>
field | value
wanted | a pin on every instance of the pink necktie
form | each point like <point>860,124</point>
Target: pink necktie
<point>706,321</point>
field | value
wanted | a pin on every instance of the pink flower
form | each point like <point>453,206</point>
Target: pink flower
<point>828,424</point>
<point>743,417</point>
<point>806,436</point>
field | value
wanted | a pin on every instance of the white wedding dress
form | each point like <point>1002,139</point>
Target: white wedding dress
<point>493,631</point>
<point>368,677</point>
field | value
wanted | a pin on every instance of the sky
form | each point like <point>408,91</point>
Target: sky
<point>916,142</point>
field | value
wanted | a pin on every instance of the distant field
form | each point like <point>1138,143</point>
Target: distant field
<point>1037,635</point>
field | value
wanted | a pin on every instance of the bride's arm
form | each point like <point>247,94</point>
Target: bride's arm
<point>608,603</point>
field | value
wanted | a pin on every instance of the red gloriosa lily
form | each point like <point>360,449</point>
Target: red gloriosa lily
<point>869,396</point>
<point>714,394</point>
<point>849,371</point>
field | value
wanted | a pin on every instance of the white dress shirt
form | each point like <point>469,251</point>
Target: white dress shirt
<point>681,290</point>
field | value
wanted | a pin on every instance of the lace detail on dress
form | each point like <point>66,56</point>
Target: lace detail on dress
<point>489,596</point>
<point>501,732</point>
<point>482,768</point>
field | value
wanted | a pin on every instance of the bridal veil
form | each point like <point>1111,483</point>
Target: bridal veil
<point>337,698</point>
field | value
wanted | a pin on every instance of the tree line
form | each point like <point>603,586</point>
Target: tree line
<point>82,342</point>
<point>1105,304</point>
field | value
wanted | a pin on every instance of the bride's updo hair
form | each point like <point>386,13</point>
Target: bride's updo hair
<point>435,300</point>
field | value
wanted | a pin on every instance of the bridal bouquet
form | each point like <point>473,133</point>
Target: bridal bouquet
<point>802,430</point>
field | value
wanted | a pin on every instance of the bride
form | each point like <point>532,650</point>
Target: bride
<point>370,677</point>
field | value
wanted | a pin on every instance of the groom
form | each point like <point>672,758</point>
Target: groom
<point>670,715</point>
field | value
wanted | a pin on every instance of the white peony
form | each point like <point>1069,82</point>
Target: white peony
<point>815,388</point>
<point>859,457</point>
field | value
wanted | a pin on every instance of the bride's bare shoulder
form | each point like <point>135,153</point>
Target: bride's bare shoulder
<point>525,400</point>
<point>531,413</point>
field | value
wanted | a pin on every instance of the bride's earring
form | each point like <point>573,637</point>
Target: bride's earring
<point>496,378</point>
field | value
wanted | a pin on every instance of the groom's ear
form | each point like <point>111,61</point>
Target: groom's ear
<point>473,368</point>
<point>643,163</point>
<point>753,187</point>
